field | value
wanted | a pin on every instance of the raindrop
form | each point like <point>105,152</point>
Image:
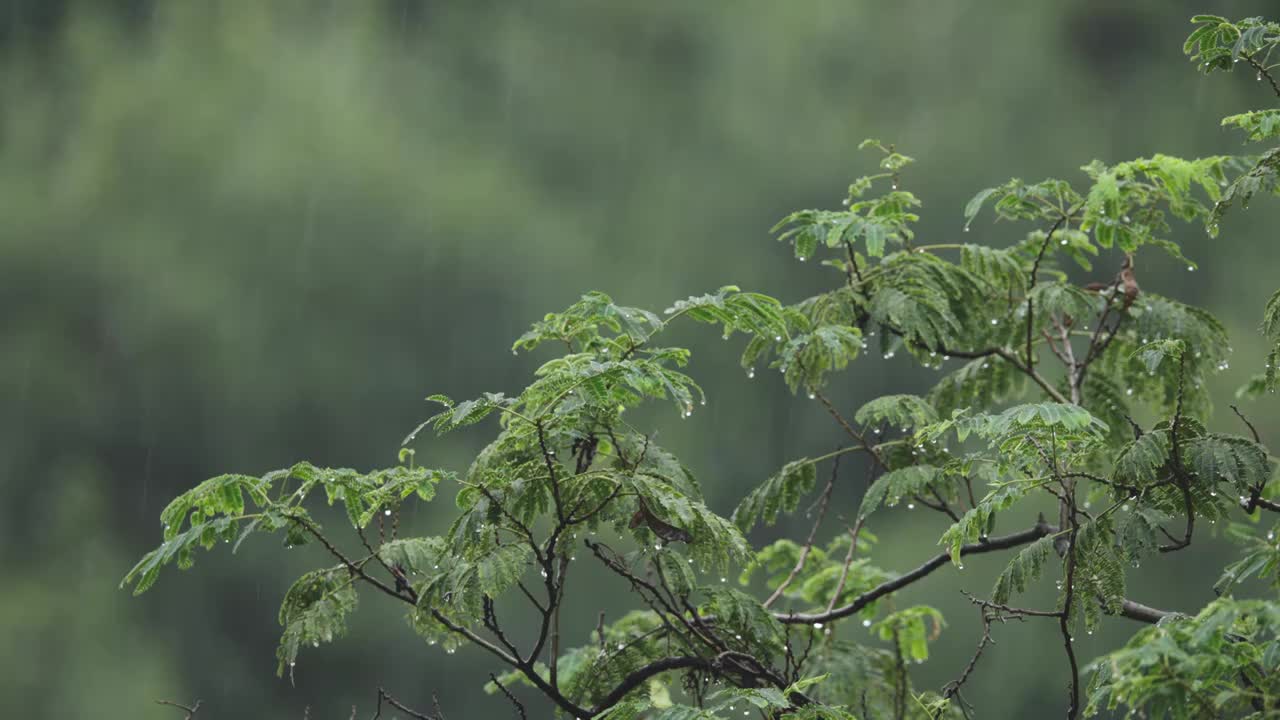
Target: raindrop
<point>1259,77</point>
<point>911,506</point>
<point>812,396</point>
<point>387,512</point>
<point>817,626</point>
<point>751,373</point>
<point>966,228</point>
<point>724,579</point>
<point>995,321</point>
<point>866,623</point>
<point>1191,268</point>
<point>1128,391</point>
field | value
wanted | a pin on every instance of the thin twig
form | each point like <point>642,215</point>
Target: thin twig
<point>1262,70</point>
<point>393,702</point>
<point>848,560</point>
<point>189,710</point>
<point>512,698</point>
<point>813,532</point>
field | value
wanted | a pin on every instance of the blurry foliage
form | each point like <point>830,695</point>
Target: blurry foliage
<point>238,233</point>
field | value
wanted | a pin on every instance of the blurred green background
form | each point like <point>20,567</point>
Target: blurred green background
<point>239,234</point>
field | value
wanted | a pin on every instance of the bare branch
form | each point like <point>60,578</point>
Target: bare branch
<point>190,710</point>
<point>512,698</point>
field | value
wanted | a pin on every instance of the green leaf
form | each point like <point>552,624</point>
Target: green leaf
<point>898,411</point>
<point>315,610</point>
<point>780,493</point>
<point>1024,569</point>
<point>894,485</point>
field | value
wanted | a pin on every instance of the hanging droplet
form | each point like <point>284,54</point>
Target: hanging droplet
<point>1259,78</point>
<point>866,623</point>
<point>751,373</point>
<point>966,228</point>
<point>995,321</point>
<point>1191,268</point>
<point>817,626</point>
<point>387,512</point>
<point>812,396</point>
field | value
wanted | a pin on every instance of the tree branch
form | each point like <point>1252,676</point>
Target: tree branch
<point>189,710</point>
<point>991,545</point>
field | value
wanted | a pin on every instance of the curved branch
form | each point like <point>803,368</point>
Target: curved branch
<point>1143,613</point>
<point>634,680</point>
<point>991,545</point>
